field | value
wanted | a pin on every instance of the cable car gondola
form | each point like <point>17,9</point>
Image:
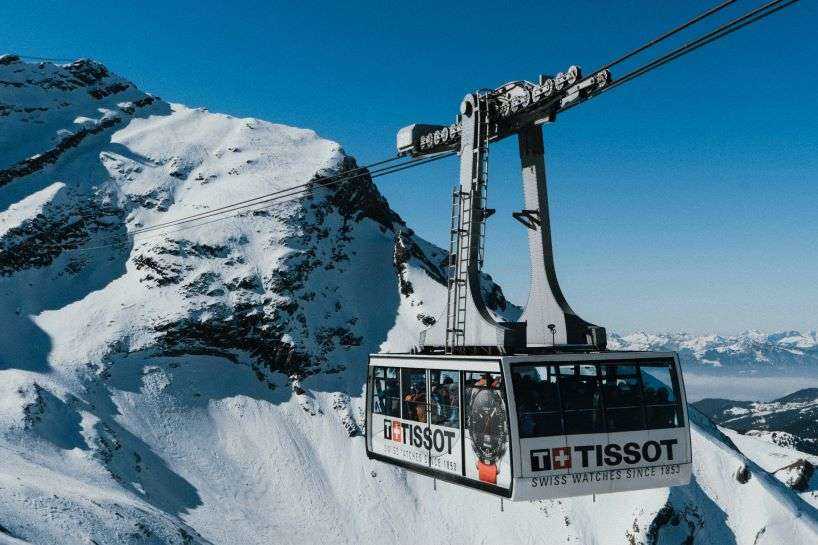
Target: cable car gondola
<point>532,427</point>
<point>536,408</point>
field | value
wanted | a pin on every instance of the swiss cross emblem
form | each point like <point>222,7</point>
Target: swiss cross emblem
<point>397,432</point>
<point>561,457</point>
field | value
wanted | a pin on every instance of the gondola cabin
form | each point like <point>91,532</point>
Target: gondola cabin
<point>532,427</point>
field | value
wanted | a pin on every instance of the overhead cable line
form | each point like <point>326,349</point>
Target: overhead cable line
<point>301,191</point>
<point>738,23</point>
<point>271,197</point>
<point>47,59</point>
<point>227,208</point>
<point>668,34</point>
<point>728,28</point>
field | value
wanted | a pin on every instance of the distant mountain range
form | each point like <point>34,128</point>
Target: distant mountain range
<point>790,421</point>
<point>752,351</point>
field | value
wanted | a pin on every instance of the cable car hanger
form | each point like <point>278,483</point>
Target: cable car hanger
<point>520,108</point>
<point>516,108</point>
<point>535,409</point>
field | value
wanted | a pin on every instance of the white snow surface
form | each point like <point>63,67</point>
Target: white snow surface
<point>111,434</point>
<point>770,451</point>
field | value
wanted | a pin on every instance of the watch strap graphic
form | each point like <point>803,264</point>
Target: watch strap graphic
<point>487,472</point>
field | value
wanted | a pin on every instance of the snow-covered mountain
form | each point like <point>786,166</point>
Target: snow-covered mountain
<point>203,385</point>
<point>775,453</point>
<point>752,351</point>
<point>790,421</point>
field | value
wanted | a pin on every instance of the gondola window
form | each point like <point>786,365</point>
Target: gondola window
<point>445,398</point>
<point>538,401</point>
<point>414,394</point>
<point>581,398</point>
<point>661,388</point>
<point>386,391</point>
<point>623,397</point>
<point>575,399</point>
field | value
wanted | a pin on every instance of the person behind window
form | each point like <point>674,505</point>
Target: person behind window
<point>525,405</point>
<point>451,390</point>
<point>484,382</point>
<point>420,406</point>
<point>439,404</point>
<point>453,396</point>
<point>379,401</point>
<point>409,412</point>
<point>416,403</point>
<point>392,398</point>
<point>667,414</point>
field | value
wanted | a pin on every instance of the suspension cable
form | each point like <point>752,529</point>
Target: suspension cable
<point>227,207</point>
<point>305,190</point>
<point>271,197</point>
<point>738,23</point>
<point>662,37</point>
<point>728,28</point>
<point>46,59</point>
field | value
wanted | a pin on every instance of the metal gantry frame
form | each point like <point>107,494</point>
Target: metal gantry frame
<point>517,108</point>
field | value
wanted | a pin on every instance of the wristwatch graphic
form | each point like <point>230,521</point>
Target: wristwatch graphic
<point>489,435</point>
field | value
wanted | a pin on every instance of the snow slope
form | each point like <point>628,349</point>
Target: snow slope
<point>204,385</point>
<point>789,465</point>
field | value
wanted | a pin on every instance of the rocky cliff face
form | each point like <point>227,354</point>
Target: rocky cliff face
<point>281,288</point>
<point>202,384</point>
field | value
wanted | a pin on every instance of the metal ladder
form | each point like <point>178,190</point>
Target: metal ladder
<point>457,271</point>
<point>460,245</point>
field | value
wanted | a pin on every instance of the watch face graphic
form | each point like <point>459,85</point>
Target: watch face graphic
<point>487,426</point>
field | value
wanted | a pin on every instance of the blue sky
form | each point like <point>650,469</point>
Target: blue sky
<point>685,200</point>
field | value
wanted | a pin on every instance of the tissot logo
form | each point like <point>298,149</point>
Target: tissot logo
<point>612,454</point>
<point>418,436</point>
<point>541,458</point>
<point>561,457</point>
<point>397,432</point>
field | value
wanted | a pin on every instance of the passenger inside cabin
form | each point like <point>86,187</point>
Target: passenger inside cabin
<point>526,396</point>
<point>538,402</point>
<point>451,390</point>
<point>445,403</point>
<point>486,381</point>
<point>415,406</point>
<point>392,398</point>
